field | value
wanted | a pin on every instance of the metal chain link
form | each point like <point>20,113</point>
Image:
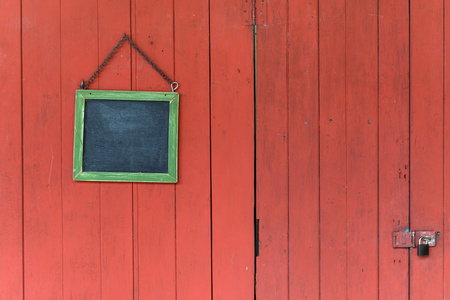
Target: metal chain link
<point>125,37</point>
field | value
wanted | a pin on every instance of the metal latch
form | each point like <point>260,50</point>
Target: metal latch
<point>410,239</point>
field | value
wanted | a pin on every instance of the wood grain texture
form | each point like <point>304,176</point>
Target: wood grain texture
<point>303,89</point>
<point>232,152</point>
<point>116,200</point>
<point>42,150</point>
<point>393,146</point>
<point>272,137</point>
<point>11,259</point>
<point>193,208</point>
<point>446,166</point>
<point>80,200</point>
<point>362,149</point>
<point>333,147</point>
<point>352,121</point>
<point>125,177</point>
<point>153,204</point>
<point>127,95</point>
<point>427,142</point>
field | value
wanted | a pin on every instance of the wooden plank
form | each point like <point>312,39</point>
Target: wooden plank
<point>232,152</point>
<point>362,145</point>
<point>42,149</point>
<point>272,137</point>
<point>446,166</point>
<point>116,200</point>
<point>427,142</point>
<point>393,146</point>
<point>193,209</point>
<point>11,260</point>
<point>81,200</point>
<point>333,156</point>
<point>153,204</point>
<point>303,119</point>
<point>116,241</point>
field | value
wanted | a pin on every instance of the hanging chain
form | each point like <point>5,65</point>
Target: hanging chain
<point>125,37</point>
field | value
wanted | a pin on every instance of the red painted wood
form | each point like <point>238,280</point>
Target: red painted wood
<point>193,207</point>
<point>319,84</point>
<point>42,150</point>
<point>155,242</point>
<point>362,157</point>
<point>11,259</point>
<point>272,137</point>
<point>116,240</point>
<point>116,200</point>
<point>427,142</point>
<point>80,200</point>
<point>303,150</point>
<point>154,204</point>
<point>393,146</point>
<point>333,156</point>
<point>232,152</point>
<point>446,166</point>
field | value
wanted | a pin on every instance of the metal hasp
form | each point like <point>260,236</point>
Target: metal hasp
<point>410,239</point>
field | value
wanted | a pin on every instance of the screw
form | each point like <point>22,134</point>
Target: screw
<point>438,233</point>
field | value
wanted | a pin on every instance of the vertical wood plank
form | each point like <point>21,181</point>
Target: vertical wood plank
<point>42,149</point>
<point>393,145</point>
<point>303,150</point>
<point>154,204</point>
<point>272,136</point>
<point>232,152</point>
<point>116,199</point>
<point>362,146</point>
<point>333,156</point>
<point>427,142</point>
<point>446,229</point>
<point>11,260</point>
<point>193,209</point>
<point>80,200</point>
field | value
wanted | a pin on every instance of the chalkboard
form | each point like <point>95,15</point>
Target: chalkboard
<point>126,136</point>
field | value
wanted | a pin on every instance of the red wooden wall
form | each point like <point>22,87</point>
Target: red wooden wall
<point>62,239</point>
<point>352,123</point>
<point>352,143</point>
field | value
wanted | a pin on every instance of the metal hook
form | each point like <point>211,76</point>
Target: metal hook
<point>174,86</point>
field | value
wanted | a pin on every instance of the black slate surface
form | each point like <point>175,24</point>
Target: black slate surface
<point>126,136</point>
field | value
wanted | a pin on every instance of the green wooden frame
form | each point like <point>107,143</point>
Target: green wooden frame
<point>80,102</point>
